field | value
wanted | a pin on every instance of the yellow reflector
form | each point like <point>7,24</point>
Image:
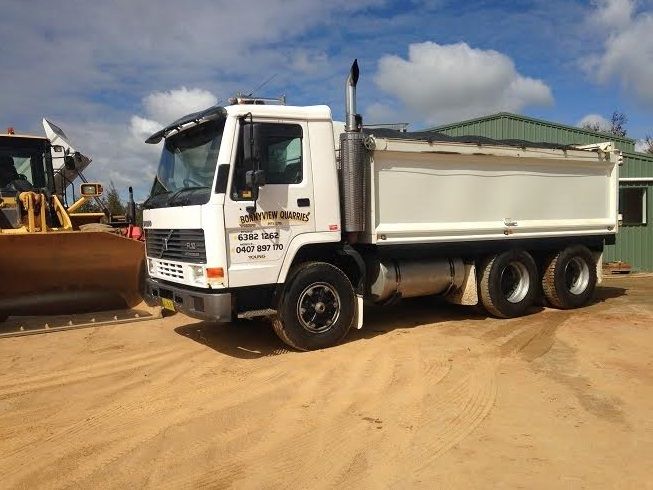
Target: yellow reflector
<point>214,272</point>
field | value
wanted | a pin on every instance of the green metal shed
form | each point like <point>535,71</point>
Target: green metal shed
<point>634,243</point>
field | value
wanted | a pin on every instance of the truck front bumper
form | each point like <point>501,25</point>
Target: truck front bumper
<point>215,307</point>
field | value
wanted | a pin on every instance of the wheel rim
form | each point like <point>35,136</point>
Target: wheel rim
<point>515,282</point>
<point>577,275</point>
<point>318,307</point>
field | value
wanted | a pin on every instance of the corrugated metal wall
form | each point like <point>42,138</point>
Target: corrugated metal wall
<point>636,165</point>
<point>634,242</point>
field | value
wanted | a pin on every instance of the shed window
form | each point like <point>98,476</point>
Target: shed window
<point>632,205</point>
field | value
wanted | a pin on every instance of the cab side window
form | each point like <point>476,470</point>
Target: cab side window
<point>279,152</point>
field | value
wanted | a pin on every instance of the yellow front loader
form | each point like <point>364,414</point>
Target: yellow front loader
<point>55,260</point>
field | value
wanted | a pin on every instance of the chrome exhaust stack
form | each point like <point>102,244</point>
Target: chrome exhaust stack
<point>354,121</point>
<point>353,158</point>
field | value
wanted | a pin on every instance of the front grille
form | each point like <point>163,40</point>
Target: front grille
<point>168,269</point>
<point>181,245</point>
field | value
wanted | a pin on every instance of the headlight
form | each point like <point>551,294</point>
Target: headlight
<point>197,273</point>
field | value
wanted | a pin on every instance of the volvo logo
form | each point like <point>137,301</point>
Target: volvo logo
<point>164,249</point>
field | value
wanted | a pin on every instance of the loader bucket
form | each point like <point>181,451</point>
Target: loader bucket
<point>69,272</point>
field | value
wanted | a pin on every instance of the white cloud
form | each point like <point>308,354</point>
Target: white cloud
<point>142,128</point>
<point>644,145</point>
<point>310,63</point>
<point>613,13</point>
<point>119,152</point>
<point>92,72</point>
<point>439,83</point>
<point>165,107</point>
<point>595,120</point>
<point>641,145</point>
<point>627,54</point>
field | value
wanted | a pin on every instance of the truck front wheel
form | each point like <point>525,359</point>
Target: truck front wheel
<point>508,283</point>
<point>569,277</point>
<point>317,307</point>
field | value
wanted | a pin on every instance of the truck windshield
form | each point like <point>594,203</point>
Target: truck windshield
<point>187,166</point>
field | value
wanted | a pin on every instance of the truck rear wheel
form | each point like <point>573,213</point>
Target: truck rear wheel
<point>569,277</point>
<point>317,307</point>
<point>508,283</point>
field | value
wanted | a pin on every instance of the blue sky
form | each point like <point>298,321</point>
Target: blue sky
<point>109,72</point>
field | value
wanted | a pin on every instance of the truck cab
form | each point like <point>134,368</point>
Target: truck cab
<point>239,190</point>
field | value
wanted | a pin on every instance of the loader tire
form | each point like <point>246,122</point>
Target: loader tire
<point>508,285</point>
<point>317,307</point>
<point>569,277</point>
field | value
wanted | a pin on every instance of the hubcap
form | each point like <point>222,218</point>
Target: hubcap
<point>318,307</point>
<point>515,282</point>
<point>577,275</point>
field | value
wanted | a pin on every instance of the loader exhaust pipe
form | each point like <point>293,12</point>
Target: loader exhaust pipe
<point>131,208</point>
<point>353,167</point>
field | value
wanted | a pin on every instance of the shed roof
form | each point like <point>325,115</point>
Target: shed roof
<point>506,125</point>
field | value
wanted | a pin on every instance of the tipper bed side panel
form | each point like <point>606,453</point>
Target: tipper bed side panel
<point>439,197</point>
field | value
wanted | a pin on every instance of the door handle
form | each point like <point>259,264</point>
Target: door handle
<point>303,202</point>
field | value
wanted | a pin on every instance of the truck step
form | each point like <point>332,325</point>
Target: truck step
<point>257,313</point>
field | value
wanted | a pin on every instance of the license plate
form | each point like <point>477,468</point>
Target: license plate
<point>168,304</point>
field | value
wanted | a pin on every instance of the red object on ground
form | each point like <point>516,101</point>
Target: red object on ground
<point>133,232</point>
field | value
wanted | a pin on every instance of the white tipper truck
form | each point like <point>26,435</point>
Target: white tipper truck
<point>268,210</point>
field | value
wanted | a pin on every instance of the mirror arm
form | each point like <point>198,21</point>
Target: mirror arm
<point>252,209</point>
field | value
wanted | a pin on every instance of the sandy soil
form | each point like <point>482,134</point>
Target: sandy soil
<point>426,395</point>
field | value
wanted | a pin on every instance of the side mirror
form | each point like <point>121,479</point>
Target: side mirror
<point>251,145</point>
<point>69,162</point>
<point>91,190</point>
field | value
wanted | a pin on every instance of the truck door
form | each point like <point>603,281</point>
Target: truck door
<point>258,235</point>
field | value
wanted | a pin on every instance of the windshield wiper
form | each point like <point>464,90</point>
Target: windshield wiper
<point>153,197</point>
<point>185,189</point>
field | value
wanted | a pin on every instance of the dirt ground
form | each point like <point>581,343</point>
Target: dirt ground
<point>426,395</point>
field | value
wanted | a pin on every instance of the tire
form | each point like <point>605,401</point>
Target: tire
<point>509,283</point>
<point>569,278</point>
<point>317,307</point>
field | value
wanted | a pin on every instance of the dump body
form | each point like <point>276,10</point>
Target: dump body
<point>422,191</point>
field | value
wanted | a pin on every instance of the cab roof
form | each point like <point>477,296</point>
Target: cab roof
<point>320,112</point>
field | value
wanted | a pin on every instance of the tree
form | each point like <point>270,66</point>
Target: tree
<point>592,126</point>
<point>648,144</point>
<point>90,206</point>
<point>112,201</point>
<point>618,122</point>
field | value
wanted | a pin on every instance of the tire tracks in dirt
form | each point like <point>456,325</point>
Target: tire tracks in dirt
<point>85,373</point>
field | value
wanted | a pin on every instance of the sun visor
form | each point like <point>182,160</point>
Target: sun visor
<point>209,114</point>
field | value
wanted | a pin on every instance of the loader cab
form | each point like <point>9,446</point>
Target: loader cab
<point>25,163</point>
